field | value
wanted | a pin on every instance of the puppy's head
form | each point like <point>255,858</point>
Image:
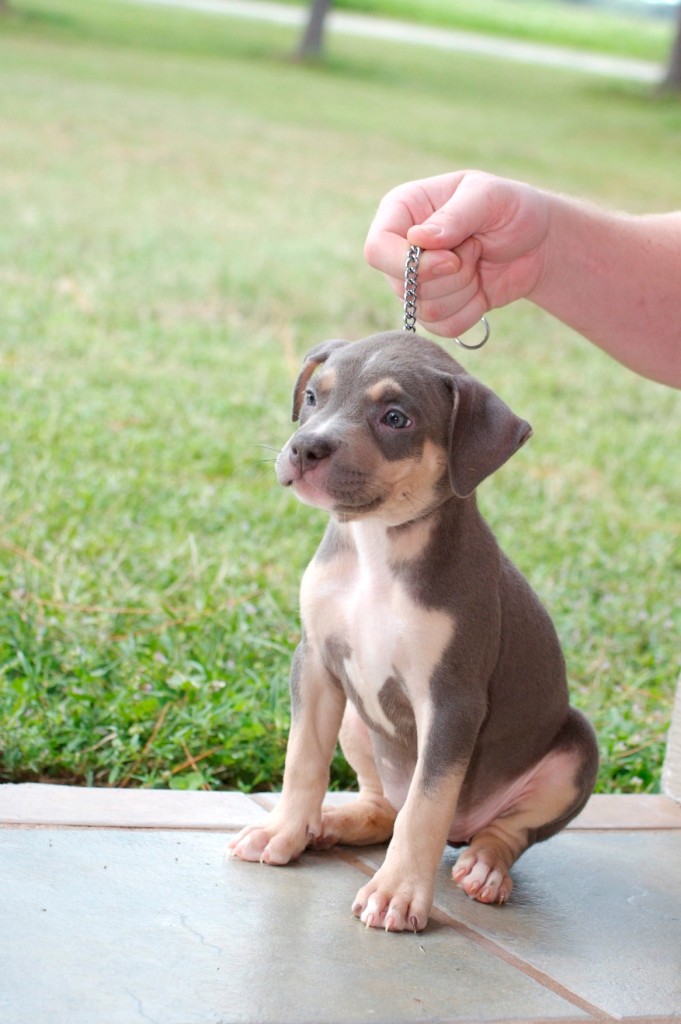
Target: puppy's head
<point>392,427</point>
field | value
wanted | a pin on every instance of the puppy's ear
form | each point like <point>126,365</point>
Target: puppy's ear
<point>314,358</point>
<point>483,434</point>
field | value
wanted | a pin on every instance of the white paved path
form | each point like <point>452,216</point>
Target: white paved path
<point>436,38</point>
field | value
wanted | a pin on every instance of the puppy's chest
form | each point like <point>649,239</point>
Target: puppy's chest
<point>371,630</point>
<point>373,636</point>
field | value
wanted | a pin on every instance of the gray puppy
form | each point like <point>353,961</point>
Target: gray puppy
<point>422,646</point>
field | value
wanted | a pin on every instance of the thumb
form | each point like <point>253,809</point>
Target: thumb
<point>460,217</point>
<point>433,234</point>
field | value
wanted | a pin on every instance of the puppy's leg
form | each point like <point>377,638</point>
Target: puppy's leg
<point>554,793</point>
<point>400,894</point>
<point>317,703</point>
<point>370,818</point>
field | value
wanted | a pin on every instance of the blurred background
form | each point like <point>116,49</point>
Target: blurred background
<point>185,189</point>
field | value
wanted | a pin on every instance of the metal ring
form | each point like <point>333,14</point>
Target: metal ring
<point>488,331</point>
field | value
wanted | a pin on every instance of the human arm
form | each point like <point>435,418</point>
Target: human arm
<point>488,241</point>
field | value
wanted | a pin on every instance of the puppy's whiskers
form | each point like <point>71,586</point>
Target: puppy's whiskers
<point>269,448</point>
<point>271,461</point>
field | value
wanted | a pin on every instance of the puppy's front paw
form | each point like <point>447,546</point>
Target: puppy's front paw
<point>394,901</point>
<point>269,844</point>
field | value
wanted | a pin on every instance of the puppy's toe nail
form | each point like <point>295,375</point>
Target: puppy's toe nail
<point>414,924</point>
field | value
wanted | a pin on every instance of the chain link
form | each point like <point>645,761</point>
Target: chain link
<point>411,269</point>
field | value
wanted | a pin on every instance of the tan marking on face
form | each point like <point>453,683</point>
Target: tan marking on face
<point>326,380</point>
<point>412,484</point>
<point>385,390</point>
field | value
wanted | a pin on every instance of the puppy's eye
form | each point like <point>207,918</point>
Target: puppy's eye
<point>310,398</point>
<point>396,419</point>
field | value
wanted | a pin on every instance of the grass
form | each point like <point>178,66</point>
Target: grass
<point>183,213</point>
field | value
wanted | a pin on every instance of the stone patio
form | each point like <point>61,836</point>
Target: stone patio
<point>118,906</point>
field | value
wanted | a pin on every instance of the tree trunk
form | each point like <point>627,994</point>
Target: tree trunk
<point>672,79</point>
<point>312,43</point>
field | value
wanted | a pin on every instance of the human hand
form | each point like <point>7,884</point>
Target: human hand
<point>483,240</point>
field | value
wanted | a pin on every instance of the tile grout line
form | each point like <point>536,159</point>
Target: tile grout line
<point>541,977</point>
<point>495,949</point>
<point>534,1020</point>
<point>229,829</point>
<point>261,800</point>
<point>117,821</point>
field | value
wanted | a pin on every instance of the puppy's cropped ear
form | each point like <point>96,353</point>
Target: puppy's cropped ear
<point>483,434</point>
<point>314,358</point>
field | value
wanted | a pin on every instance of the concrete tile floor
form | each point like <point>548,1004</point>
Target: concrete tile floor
<point>119,907</point>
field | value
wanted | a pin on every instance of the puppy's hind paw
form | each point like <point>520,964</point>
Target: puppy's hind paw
<point>483,876</point>
<point>363,822</point>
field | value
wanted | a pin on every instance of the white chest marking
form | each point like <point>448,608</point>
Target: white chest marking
<point>360,599</point>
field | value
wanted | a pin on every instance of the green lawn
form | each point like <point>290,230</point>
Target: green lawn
<point>183,210</point>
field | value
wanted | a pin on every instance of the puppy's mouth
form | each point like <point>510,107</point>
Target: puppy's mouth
<point>343,491</point>
<point>347,502</point>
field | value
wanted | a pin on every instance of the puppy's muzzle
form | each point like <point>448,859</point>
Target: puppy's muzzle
<point>306,451</point>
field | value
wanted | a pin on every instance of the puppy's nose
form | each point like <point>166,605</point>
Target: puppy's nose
<point>308,451</point>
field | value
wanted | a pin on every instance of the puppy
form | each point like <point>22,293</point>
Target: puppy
<point>422,646</point>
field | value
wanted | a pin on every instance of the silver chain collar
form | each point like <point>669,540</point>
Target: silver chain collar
<point>411,269</point>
